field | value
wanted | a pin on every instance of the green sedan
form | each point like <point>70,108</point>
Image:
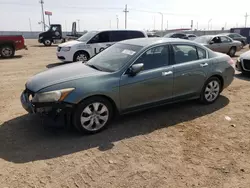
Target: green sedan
<point>129,76</point>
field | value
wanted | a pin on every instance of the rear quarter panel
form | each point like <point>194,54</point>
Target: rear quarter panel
<point>221,67</point>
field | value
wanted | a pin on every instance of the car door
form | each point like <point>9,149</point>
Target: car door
<point>226,44</point>
<point>190,70</point>
<point>153,84</point>
<point>100,42</point>
<point>216,44</point>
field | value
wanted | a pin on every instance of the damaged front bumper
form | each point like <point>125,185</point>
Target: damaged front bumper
<point>55,110</point>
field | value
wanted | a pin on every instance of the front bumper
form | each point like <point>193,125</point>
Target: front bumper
<point>53,110</point>
<point>243,65</point>
<point>65,56</point>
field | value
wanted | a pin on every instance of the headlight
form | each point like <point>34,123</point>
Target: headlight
<point>238,59</point>
<point>65,49</point>
<point>52,96</point>
<point>40,37</point>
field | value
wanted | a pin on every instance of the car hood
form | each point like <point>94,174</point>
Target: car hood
<point>245,55</point>
<point>63,73</point>
<point>70,43</point>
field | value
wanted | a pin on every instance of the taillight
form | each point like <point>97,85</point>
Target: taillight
<point>231,62</point>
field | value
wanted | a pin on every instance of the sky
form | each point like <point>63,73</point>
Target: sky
<point>24,15</point>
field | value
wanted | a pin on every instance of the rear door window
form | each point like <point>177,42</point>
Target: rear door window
<point>184,53</point>
<point>225,39</point>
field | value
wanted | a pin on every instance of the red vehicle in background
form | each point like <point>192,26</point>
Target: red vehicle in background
<point>10,44</point>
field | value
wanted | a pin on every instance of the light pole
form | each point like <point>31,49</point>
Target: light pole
<point>117,22</point>
<point>208,23</point>
<point>161,23</point>
<point>78,25</point>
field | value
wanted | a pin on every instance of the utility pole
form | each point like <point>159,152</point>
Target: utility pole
<point>167,24</point>
<point>154,23</point>
<point>208,23</point>
<point>30,25</point>
<point>126,14</point>
<point>197,24</point>
<point>109,24</point>
<point>43,20</point>
<point>117,22</point>
<point>246,19</point>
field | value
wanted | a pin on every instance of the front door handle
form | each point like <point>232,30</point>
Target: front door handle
<point>203,64</point>
<point>167,73</point>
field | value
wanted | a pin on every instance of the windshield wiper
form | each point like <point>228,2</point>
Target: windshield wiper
<point>93,66</point>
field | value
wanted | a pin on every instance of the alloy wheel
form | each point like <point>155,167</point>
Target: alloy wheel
<point>94,116</point>
<point>212,90</point>
<point>81,57</point>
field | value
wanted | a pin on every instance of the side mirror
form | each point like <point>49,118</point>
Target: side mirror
<point>211,42</point>
<point>135,69</point>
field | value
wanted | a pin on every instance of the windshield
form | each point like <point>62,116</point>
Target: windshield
<point>87,36</point>
<point>114,57</point>
<point>203,40</point>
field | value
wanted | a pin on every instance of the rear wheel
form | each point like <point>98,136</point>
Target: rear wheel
<point>211,90</point>
<point>93,115</point>
<point>47,42</point>
<point>7,51</point>
<point>232,51</point>
<point>81,56</point>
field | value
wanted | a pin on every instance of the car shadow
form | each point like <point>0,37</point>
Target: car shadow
<point>56,64</point>
<point>15,57</point>
<point>242,76</point>
<point>24,139</point>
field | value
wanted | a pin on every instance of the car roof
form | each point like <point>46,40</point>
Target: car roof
<point>102,30</point>
<point>144,42</point>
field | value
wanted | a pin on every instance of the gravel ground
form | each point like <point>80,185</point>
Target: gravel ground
<point>179,145</point>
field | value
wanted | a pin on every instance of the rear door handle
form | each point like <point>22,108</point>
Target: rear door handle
<point>167,73</point>
<point>203,64</point>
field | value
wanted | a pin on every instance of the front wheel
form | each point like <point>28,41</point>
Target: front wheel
<point>81,56</point>
<point>211,90</point>
<point>7,51</point>
<point>93,115</point>
<point>47,42</point>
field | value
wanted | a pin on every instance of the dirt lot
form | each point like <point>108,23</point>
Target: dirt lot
<point>181,145</point>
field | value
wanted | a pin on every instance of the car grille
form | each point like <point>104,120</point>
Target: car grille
<point>59,49</point>
<point>246,64</point>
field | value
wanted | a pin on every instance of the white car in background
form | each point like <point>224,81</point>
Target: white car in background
<point>93,42</point>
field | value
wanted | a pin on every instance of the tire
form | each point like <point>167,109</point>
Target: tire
<point>232,51</point>
<point>47,42</point>
<point>7,51</point>
<point>206,91</point>
<point>81,56</point>
<point>91,111</point>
